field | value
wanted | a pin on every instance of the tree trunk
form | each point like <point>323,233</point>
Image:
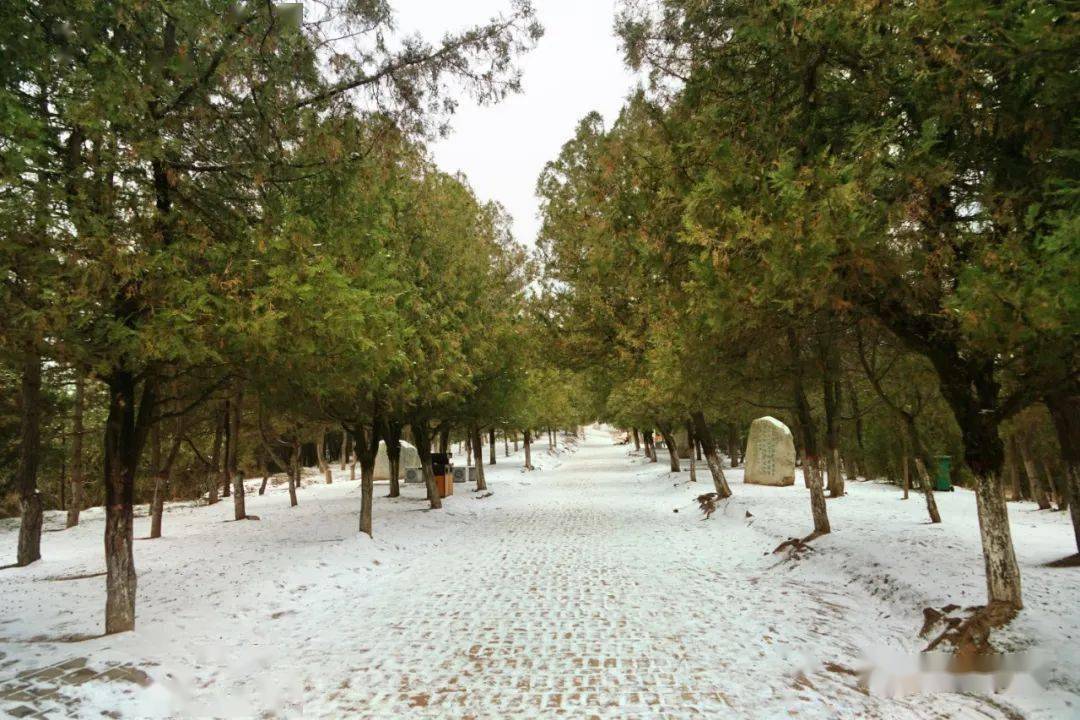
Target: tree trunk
<point>266,478</point>
<point>392,438</point>
<point>29,548</point>
<point>672,448</point>
<point>423,448</point>
<point>215,461</point>
<point>907,474</point>
<point>366,443</point>
<point>928,491</point>
<point>444,440</point>
<point>1061,487</point>
<point>320,457</point>
<point>817,498</point>
<point>1038,487</point>
<point>491,446</point>
<point>223,477</point>
<point>163,475</point>
<point>811,457</point>
<point>831,395</point>
<point>734,451</point>
<point>294,473</point>
<point>637,439</point>
<point>77,430</point>
<point>232,458</point>
<point>704,435</point>
<point>1012,472</point>
<point>506,445</point>
<point>481,482</point>
<point>527,440</point>
<point>650,446</point>
<point>859,457</point>
<point>346,442</point>
<point>124,435</point>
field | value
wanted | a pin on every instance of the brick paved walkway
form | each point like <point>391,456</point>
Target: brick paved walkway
<point>581,595</point>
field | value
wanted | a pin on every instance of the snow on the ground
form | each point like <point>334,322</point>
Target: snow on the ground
<point>572,591</point>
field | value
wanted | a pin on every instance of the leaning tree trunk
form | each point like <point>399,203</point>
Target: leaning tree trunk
<point>914,439</point>
<point>650,446</point>
<point>265,479</point>
<point>481,482</point>
<point>232,459</point>
<point>811,457</point>
<point>1065,413</point>
<point>928,491</point>
<point>29,548</point>
<point>422,440</point>
<point>704,436</point>
<point>77,431</point>
<point>637,439</point>
<point>527,441</point>
<point>672,448</point>
<point>1038,487</point>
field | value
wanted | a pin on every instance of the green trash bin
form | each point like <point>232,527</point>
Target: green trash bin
<point>943,480</point>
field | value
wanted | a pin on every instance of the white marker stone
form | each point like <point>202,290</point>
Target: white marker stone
<point>770,453</point>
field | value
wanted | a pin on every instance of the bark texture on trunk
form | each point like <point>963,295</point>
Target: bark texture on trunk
<point>77,431</point>
<point>831,397</point>
<point>422,440</point>
<point>29,547</point>
<point>366,442</point>
<point>637,439</point>
<point>907,474</point>
<point>294,474</point>
<point>1038,487</point>
<point>232,459</point>
<point>392,438</point>
<point>672,448</point>
<point>817,498</point>
<point>650,446</point>
<point>223,477</point>
<point>527,440</point>
<point>324,463</point>
<point>1065,413</point>
<point>491,446</point>
<point>811,456</point>
<point>163,475</point>
<point>704,436</point>
<point>928,491</point>
<point>125,429</point>
<point>481,481</point>
<point>215,462</point>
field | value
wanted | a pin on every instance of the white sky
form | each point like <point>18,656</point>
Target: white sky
<point>575,68</point>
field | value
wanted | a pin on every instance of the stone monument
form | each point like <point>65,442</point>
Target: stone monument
<point>770,453</point>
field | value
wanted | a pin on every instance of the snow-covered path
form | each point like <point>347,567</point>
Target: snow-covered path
<point>574,591</point>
